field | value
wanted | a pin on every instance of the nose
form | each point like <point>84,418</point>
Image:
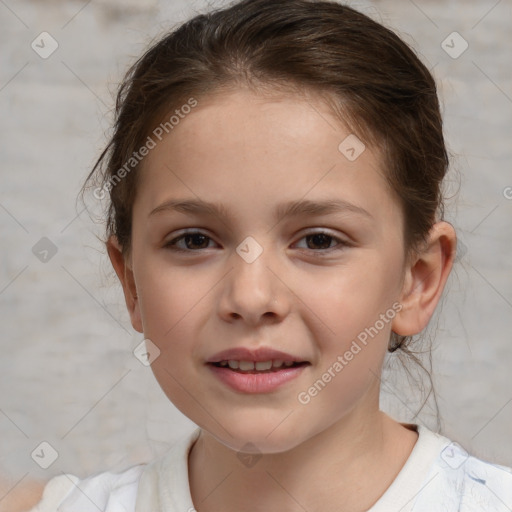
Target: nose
<point>253,293</point>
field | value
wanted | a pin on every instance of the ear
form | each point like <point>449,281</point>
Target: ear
<point>125,275</point>
<point>425,280</point>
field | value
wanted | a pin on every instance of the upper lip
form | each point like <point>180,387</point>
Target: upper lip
<point>256,355</point>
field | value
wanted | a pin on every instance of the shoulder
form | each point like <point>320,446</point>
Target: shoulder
<point>485,486</point>
<point>68,493</point>
<point>461,482</point>
<point>142,486</point>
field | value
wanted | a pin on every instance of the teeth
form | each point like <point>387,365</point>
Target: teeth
<point>246,365</point>
<point>259,366</point>
<point>263,365</point>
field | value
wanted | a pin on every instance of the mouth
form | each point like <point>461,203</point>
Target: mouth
<point>256,377</point>
<point>257,367</point>
<point>260,370</point>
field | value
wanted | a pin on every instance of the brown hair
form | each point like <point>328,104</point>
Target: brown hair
<point>371,78</point>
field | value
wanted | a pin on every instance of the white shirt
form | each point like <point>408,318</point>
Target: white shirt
<point>438,476</point>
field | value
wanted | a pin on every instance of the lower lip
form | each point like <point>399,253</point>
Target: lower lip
<point>256,382</point>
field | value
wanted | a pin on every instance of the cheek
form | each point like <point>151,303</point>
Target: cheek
<point>348,299</point>
<point>353,335</point>
<point>166,296</point>
<point>171,309</point>
<point>351,340</point>
<point>175,303</point>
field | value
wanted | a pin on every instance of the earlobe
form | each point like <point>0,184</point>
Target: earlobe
<point>425,280</point>
<point>126,277</point>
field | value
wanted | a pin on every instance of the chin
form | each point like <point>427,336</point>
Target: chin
<point>257,437</point>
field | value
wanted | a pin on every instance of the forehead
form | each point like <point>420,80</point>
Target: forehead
<point>250,146</point>
<point>244,119</point>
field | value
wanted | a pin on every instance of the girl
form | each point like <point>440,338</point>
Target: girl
<point>275,221</point>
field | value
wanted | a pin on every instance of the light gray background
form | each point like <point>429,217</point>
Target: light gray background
<point>67,373</point>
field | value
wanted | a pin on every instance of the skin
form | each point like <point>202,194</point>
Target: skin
<point>19,498</point>
<point>251,152</point>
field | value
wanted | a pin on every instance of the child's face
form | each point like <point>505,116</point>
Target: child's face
<point>309,297</point>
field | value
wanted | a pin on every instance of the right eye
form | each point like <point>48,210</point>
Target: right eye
<point>193,241</point>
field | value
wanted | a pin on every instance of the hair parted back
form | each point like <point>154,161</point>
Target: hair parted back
<point>372,79</point>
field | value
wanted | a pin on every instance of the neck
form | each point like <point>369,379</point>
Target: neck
<point>368,455</point>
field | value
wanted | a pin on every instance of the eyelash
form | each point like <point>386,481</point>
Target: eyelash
<point>171,245</point>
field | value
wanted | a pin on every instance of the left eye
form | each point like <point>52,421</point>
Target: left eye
<point>321,240</point>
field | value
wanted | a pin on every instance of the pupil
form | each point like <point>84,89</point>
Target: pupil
<point>195,238</point>
<point>320,239</point>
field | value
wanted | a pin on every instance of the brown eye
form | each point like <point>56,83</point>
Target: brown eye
<point>191,242</point>
<point>319,241</point>
<point>197,240</point>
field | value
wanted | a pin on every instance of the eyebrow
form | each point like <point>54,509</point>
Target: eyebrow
<point>284,210</point>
